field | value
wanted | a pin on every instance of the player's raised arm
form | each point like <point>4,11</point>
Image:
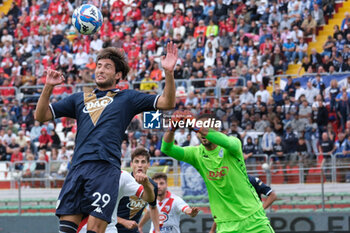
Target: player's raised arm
<point>269,200</point>
<point>148,194</point>
<point>167,99</point>
<point>169,148</point>
<point>229,143</point>
<point>43,112</point>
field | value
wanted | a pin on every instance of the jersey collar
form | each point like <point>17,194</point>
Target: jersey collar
<point>115,90</point>
<point>168,194</point>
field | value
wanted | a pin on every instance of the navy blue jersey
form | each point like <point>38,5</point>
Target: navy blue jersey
<point>102,118</point>
<point>131,208</point>
<point>259,186</point>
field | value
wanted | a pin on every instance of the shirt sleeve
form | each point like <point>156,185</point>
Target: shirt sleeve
<point>259,186</point>
<point>231,144</point>
<point>64,107</point>
<point>180,205</point>
<point>186,154</point>
<point>143,102</point>
<point>131,187</point>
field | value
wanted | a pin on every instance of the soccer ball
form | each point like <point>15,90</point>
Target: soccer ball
<point>265,166</point>
<point>87,19</point>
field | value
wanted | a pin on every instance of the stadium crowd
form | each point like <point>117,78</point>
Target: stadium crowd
<point>235,45</point>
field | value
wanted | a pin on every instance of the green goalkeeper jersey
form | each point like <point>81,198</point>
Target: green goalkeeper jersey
<point>231,195</point>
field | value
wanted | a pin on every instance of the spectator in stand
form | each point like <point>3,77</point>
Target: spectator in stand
<point>21,140</point>
<point>278,156</point>
<point>3,155</point>
<point>9,136</point>
<point>345,21</point>
<point>278,60</point>
<point>343,109</point>
<point>289,50</point>
<point>326,148</point>
<point>301,50</point>
<point>263,93</point>
<point>17,158</point>
<point>289,140</point>
<point>310,92</point>
<point>346,153</point>
<point>191,99</point>
<point>317,14</point>
<point>147,83</point>
<point>304,156</point>
<point>81,58</point>
<point>299,91</point>
<point>315,59</point>
<point>322,116</point>
<point>28,169</point>
<point>340,145</point>
<point>246,97</point>
<point>277,95</point>
<point>40,168</point>
<point>319,84</point>
<point>248,152</point>
<point>268,139</point>
<point>45,140</point>
<point>333,92</point>
<point>309,26</point>
<point>35,131</point>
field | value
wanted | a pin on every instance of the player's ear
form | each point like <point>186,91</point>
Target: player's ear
<point>118,76</point>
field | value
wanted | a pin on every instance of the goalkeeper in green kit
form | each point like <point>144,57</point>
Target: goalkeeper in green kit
<point>234,203</point>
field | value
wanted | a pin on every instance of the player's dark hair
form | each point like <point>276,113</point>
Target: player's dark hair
<point>160,175</point>
<point>118,58</point>
<point>140,151</point>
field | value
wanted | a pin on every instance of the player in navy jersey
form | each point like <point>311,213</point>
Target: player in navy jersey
<point>102,118</point>
<point>130,208</point>
<point>262,188</point>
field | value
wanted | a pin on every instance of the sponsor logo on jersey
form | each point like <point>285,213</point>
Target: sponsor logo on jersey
<point>136,204</point>
<point>163,217</point>
<point>95,105</point>
<point>98,210</point>
<point>166,228</point>
<point>218,174</point>
<point>221,153</point>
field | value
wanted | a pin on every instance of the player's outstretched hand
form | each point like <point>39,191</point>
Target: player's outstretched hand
<point>130,224</point>
<point>169,61</point>
<point>192,211</point>
<point>54,77</point>
<point>141,178</point>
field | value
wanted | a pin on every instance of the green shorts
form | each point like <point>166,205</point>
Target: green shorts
<point>256,223</point>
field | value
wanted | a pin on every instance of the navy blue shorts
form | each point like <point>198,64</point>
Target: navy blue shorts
<point>90,188</point>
